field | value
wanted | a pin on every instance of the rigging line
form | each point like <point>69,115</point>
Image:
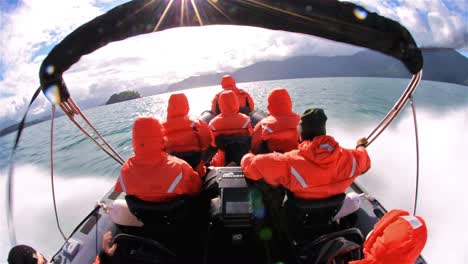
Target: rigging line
<point>52,172</point>
<point>397,104</point>
<point>11,170</point>
<point>413,107</point>
<point>77,227</point>
<point>397,111</point>
<point>387,116</point>
<point>70,116</point>
<point>78,110</point>
<point>394,112</point>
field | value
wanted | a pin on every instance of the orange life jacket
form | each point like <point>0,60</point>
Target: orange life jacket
<point>229,122</point>
<point>151,174</point>
<point>318,169</point>
<point>183,133</point>
<point>245,101</point>
<point>278,130</point>
<point>397,238</point>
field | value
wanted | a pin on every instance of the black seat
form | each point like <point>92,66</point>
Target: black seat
<point>235,147</point>
<point>341,246</point>
<point>176,224</point>
<point>159,217</point>
<point>139,250</point>
<point>191,157</point>
<point>307,219</point>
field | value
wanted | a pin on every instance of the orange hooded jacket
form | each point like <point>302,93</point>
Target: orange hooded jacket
<point>245,101</point>
<point>279,129</point>
<point>396,238</point>
<point>318,169</point>
<point>151,174</point>
<point>229,122</point>
<point>184,134</point>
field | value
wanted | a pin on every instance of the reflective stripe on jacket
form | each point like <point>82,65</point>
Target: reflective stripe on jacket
<point>279,129</point>
<point>279,133</point>
<point>151,174</point>
<point>318,169</point>
<point>184,134</point>
<point>159,180</point>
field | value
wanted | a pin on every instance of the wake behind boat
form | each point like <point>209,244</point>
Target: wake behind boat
<point>232,220</point>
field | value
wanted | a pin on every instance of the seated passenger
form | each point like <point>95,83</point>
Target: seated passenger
<point>185,134</point>
<point>397,238</point>
<point>151,174</point>
<point>246,103</point>
<point>229,123</point>
<point>319,168</point>
<point>278,131</point>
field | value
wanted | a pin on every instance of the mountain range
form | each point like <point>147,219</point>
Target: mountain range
<point>440,64</point>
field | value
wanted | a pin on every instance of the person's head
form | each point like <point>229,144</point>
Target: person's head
<point>228,82</point>
<point>228,102</point>
<point>279,102</point>
<point>312,124</point>
<point>23,254</point>
<point>178,105</point>
<point>148,136</point>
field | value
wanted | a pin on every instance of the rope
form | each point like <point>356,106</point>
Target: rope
<point>52,172</point>
<point>11,170</point>
<point>413,107</point>
<point>74,106</point>
<point>70,112</point>
<point>393,113</point>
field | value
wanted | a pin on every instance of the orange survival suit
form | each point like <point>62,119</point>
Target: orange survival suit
<point>229,122</point>
<point>246,103</point>
<point>151,174</point>
<point>184,134</point>
<point>396,238</point>
<point>320,168</point>
<point>278,131</point>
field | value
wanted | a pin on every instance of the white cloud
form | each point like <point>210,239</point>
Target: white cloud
<point>432,23</point>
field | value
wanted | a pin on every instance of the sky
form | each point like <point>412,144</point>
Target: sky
<point>30,28</point>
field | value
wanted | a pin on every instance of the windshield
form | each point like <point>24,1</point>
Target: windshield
<point>356,87</point>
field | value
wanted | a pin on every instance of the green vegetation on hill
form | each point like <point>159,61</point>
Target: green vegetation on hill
<point>123,96</point>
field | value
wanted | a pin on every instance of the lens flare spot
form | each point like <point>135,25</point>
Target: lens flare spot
<point>52,93</point>
<point>50,69</point>
<point>259,212</point>
<point>360,13</point>
<point>265,234</point>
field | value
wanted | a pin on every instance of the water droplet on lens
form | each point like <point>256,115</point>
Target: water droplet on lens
<point>360,13</point>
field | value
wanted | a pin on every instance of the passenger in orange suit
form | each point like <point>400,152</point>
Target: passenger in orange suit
<point>278,131</point>
<point>246,103</point>
<point>229,122</point>
<point>319,168</point>
<point>397,238</point>
<point>185,134</point>
<point>151,174</point>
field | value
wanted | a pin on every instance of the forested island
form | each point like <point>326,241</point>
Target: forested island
<point>123,96</point>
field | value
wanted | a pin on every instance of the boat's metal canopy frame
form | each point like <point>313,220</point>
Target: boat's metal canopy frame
<point>339,21</point>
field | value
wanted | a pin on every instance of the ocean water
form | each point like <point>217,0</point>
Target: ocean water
<point>354,106</point>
